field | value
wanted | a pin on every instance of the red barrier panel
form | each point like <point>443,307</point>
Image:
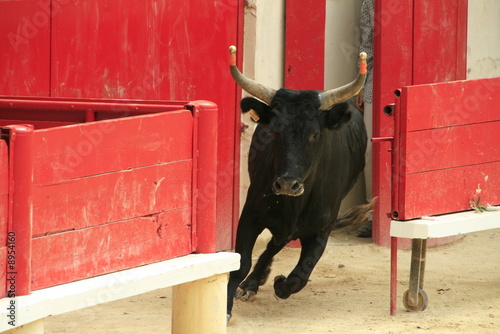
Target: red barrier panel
<point>132,188</point>
<point>446,147</point>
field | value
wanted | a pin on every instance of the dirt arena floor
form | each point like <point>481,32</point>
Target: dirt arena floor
<point>348,293</point>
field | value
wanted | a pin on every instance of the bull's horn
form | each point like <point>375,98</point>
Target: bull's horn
<point>337,95</point>
<point>256,89</point>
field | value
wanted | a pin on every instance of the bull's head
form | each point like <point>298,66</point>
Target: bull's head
<point>296,122</point>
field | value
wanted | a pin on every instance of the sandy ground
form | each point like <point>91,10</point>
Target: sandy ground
<point>348,293</point>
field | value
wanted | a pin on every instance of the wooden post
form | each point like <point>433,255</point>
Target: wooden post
<point>205,177</point>
<point>200,306</point>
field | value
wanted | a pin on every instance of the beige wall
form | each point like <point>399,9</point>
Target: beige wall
<point>342,38</point>
<point>264,42</point>
<point>483,39</point>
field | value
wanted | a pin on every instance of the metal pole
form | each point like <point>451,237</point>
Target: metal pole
<point>394,274</point>
<point>416,270</point>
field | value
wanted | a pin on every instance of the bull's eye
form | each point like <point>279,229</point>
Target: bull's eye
<point>314,137</point>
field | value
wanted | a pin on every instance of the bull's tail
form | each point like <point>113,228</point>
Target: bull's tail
<point>355,216</point>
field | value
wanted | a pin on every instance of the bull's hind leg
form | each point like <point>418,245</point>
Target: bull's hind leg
<point>248,289</point>
<point>312,249</point>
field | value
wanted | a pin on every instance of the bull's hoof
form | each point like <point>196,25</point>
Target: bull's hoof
<point>228,317</point>
<point>280,289</point>
<point>245,295</point>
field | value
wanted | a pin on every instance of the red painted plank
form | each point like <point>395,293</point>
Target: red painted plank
<point>39,109</point>
<point>4,209</point>
<point>392,70</point>
<point>439,41</point>
<point>4,168</point>
<point>25,47</point>
<point>37,124</point>
<point>41,115</point>
<point>4,205</point>
<point>451,147</point>
<point>305,44</point>
<point>450,104</point>
<point>4,192</point>
<point>169,105</point>
<point>101,147</point>
<point>449,190</point>
<point>3,271</point>
<point>111,197</point>
<point>205,179</point>
<point>461,29</point>
<point>80,254</point>
<point>393,31</point>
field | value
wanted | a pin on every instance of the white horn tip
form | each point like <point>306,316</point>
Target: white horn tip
<point>232,49</point>
<point>363,55</point>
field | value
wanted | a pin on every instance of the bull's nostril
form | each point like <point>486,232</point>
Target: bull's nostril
<point>288,186</point>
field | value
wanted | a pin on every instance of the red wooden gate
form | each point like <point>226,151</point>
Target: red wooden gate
<point>446,149</point>
<point>416,42</point>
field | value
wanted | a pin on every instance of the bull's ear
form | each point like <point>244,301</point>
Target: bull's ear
<point>259,111</point>
<point>338,115</point>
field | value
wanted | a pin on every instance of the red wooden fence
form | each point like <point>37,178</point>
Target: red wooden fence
<point>89,198</point>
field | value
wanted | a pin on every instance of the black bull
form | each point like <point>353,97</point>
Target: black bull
<point>306,154</point>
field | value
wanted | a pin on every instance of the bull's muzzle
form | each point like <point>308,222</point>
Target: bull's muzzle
<point>288,186</point>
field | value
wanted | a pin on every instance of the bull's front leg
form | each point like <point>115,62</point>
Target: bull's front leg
<point>248,289</point>
<point>246,235</point>
<point>312,249</point>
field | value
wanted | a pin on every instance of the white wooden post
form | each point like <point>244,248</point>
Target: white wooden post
<point>200,306</point>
